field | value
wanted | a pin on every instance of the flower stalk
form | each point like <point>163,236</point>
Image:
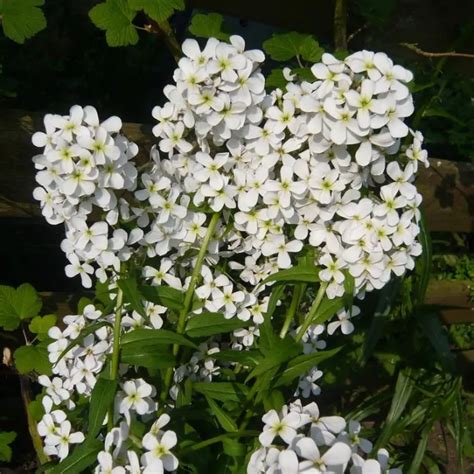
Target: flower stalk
<point>309,319</point>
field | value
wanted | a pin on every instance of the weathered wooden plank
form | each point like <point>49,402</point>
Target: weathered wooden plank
<point>447,187</point>
<point>455,297</point>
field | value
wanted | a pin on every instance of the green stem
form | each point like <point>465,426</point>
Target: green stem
<point>312,312</point>
<point>291,311</point>
<point>218,439</point>
<point>188,297</point>
<point>116,348</point>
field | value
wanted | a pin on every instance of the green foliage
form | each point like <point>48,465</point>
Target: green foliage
<point>101,399</point>
<point>208,26</point>
<point>6,438</point>
<point>81,458</point>
<point>208,324</point>
<point>40,325</point>
<point>286,46</point>
<point>16,305</point>
<point>115,17</point>
<point>21,19</point>
<point>158,10</point>
<point>32,359</point>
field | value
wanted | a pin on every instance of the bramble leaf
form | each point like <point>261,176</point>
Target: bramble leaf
<point>285,46</point>
<point>158,10</point>
<point>208,26</point>
<point>115,18</point>
<point>40,325</point>
<point>19,304</point>
<point>32,358</point>
<point>6,438</point>
<point>21,19</point>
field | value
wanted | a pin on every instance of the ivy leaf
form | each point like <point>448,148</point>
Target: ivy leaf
<point>158,10</point>
<point>32,358</point>
<point>41,325</point>
<point>15,305</point>
<point>6,438</point>
<point>21,19</point>
<point>285,46</point>
<point>115,17</point>
<point>208,26</point>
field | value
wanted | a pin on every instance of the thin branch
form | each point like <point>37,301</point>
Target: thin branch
<point>164,30</point>
<point>340,25</point>
<point>356,32</point>
<point>414,47</point>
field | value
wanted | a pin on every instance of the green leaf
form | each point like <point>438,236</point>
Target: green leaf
<point>304,73</point>
<point>36,410</point>
<point>32,358</point>
<point>9,320</point>
<point>208,26</point>
<point>102,397</point>
<point>311,51</point>
<point>21,19</point>
<point>420,451</point>
<point>208,324</point>
<point>40,325</point>
<point>401,395</point>
<point>327,309</point>
<point>249,358</point>
<point>301,364</point>
<point>285,46</point>
<point>6,438</point>
<point>439,112</point>
<point>222,391</point>
<point>224,419</point>
<point>16,305</point>
<point>115,17</point>
<point>27,301</point>
<point>81,458</point>
<point>435,332</point>
<point>149,356</point>
<point>153,337</point>
<point>300,273</point>
<point>423,263</point>
<point>382,312</point>
<point>164,296</point>
<point>276,80</point>
<point>283,350</point>
<point>158,10</point>
<point>82,303</point>
<point>132,295</point>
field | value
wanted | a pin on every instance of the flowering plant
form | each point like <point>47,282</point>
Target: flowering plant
<point>224,263</point>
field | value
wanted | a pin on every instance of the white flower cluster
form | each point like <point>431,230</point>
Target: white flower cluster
<point>326,167</point>
<point>322,164</point>
<point>83,164</point>
<point>299,440</point>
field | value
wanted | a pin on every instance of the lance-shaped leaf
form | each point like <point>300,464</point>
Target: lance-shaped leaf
<point>101,399</point>
<point>164,296</point>
<point>301,273</point>
<point>222,391</point>
<point>301,364</point>
<point>149,356</point>
<point>81,458</point>
<point>224,419</point>
<point>208,324</point>
<point>148,337</point>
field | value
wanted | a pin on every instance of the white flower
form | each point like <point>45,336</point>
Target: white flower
<point>159,457</point>
<point>136,397</point>
<point>283,425</point>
